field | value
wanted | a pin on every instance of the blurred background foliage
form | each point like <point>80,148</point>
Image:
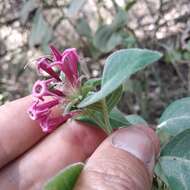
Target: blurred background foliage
<point>97,28</point>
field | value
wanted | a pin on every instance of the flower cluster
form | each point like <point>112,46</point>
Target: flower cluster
<point>60,89</point>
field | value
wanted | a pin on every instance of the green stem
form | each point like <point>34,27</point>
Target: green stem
<point>106,117</point>
<point>70,105</point>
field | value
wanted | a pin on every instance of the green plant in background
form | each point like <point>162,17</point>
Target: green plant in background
<point>95,43</point>
<point>174,132</point>
<point>77,97</point>
<point>107,36</point>
<point>103,40</point>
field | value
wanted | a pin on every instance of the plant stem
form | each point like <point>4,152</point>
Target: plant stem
<point>106,117</point>
<point>69,106</point>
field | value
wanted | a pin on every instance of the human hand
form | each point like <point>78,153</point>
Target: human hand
<point>28,158</point>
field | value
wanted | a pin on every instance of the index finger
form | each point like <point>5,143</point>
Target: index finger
<point>17,131</point>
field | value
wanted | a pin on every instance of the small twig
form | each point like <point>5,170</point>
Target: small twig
<point>180,75</point>
<point>115,5</point>
<point>9,22</point>
<point>130,30</point>
<point>58,22</point>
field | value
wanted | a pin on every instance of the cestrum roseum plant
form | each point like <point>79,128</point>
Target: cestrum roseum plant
<point>64,89</point>
<point>64,92</point>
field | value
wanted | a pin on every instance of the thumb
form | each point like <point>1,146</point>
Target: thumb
<point>124,161</point>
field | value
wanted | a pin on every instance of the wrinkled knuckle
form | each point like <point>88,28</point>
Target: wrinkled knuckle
<point>109,180</point>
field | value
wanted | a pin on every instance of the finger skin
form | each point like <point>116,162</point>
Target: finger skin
<point>17,131</point>
<point>121,166</point>
<point>72,142</point>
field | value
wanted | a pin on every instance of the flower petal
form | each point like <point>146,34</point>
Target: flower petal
<point>50,124</point>
<point>43,64</point>
<point>56,53</point>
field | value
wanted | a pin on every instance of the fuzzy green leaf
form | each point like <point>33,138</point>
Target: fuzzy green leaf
<point>102,38</point>
<point>107,37</point>
<point>75,6</point>
<point>120,20</point>
<point>177,109</point>
<point>118,119</point>
<point>174,172</point>
<point>174,164</point>
<point>28,7</point>
<point>111,101</point>
<point>119,67</point>
<point>41,33</point>
<point>93,82</point>
<point>174,120</point>
<point>66,179</point>
<point>136,119</point>
<point>83,28</point>
<point>90,85</point>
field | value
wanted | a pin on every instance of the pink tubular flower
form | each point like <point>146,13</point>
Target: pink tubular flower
<point>57,55</point>
<point>39,111</point>
<point>42,88</point>
<point>43,64</point>
<point>49,124</point>
<point>61,91</point>
<point>68,63</point>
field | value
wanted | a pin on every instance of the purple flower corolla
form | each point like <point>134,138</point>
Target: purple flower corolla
<point>49,124</point>
<point>68,63</point>
<point>61,91</point>
<point>41,110</point>
<point>57,55</point>
<point>71,70</point>
<point>43,64</point>
<point>42,88</point>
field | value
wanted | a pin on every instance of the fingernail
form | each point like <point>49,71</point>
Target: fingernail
<point>137,143</point>
<point>154,138</point>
